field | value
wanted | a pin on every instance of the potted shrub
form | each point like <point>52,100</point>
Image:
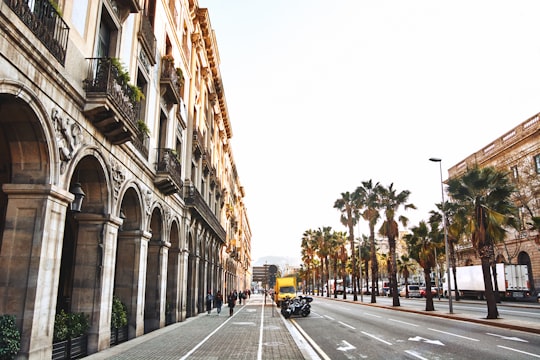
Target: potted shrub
<point>69,336</point>
<point>119,321</point>
<point>10,338</point>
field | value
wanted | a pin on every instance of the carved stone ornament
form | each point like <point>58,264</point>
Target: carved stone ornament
<point>148,201</point>
<point>118,176</point>
<point>69,137</point>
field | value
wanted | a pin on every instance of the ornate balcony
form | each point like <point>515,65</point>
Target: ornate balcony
<point>200,208</point>
<point>141,143</point>
<point>168,172</point>
<point>148,39</point>
<point>45,22</point>
<point>169,81</point>
<point>197,146</point>
<point>111,102</point>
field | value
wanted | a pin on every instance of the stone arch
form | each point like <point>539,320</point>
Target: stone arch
<point>524,259</point>
<point>32,213</point>
<point>27,136</point>
<point>500,259</point>
<point>131,247</point>
<point>173,300</point>
<point>153,297</point>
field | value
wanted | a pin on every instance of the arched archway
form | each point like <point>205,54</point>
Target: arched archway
<point>153,294</point>
<point>131,248</point>
<point>525,259</point>
<point>33,207</point>
<point>173,302</point>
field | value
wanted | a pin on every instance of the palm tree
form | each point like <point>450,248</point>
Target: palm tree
<point>422,244</point>
<point>336,242</point>
<point>405,267</point>
<point>322,238</point>
<point>342,258</point>
<point>456,230</point>
<point>391,201</point>
<point>369,200</point>
<point>349,216</point>
<point>308,255</point>
<point>484,195</point>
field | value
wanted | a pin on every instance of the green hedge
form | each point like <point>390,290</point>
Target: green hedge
<point>10,338</point>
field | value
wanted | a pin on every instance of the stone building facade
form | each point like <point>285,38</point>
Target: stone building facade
<point>518,153</point>
<point>120,104</point>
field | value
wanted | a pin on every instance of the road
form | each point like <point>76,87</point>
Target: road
<point>343,330</point>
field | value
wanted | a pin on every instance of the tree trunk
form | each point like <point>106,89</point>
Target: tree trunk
<point>429,295</point>
<point>493,313</point>
<point>454,271</point>
<point>393,271</point>
<point>374,265</point>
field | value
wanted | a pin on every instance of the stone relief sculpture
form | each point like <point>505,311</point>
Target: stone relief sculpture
<point>69,137</point>
<point>118,177</point>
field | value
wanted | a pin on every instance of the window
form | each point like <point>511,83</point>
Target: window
<point>107,36</point>
<point>514,172</point>
<point>142,84</point>
<point>537,163</point>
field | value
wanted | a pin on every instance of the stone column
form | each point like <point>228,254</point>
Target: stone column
<point>93,275</point>
<point>30,254</point>
<point>130,283</point>
<point>182,284</point>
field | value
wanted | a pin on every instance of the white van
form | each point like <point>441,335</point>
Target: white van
<point>414,291</point>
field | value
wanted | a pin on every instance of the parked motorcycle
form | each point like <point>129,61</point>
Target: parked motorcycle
<point>300,305</point>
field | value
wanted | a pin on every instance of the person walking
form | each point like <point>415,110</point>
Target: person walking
<point>209,299</point>
<point>219,302</point>
<point>231,301</point>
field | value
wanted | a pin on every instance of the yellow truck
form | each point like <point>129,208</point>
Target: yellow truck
<point>285,287</point>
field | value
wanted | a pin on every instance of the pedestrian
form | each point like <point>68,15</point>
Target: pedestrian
<point>240,297</point>
<point>209,299</point>
<point>219,302</point>
<point>231,301</point>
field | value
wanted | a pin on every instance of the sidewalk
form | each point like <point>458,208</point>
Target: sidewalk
<point>255,331</point>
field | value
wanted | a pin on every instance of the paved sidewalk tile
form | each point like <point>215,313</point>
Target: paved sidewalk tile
<point>255,331</point>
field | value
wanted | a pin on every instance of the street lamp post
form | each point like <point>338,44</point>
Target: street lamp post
<point>445,237</point>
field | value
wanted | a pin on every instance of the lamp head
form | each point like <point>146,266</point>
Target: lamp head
<point>77,190</point>
<point>435,159</point>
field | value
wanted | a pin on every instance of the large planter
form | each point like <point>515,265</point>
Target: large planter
<point>119,335</point>
<point>75,348</point>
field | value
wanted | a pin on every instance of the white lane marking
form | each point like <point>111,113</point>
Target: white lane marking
<point>259,349</point>
<point>316,349</point>
<point>452,334</point>
<point>328,317</point>
<point>419,338</point>
<point>377,316</point>
<point>346,346</point>
<point>347,325</point>
<point>403,322</point>
<point>415,354</point>
<point>513,338</point>
<point>376,338</point>
<point>209,336</point>
<point>519,351</point>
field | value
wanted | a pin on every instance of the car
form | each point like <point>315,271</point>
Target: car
<point>413,291</point>
<point>423,291</point>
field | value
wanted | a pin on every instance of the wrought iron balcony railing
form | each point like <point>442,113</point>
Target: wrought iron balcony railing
<point>195,201</point>
<point>168,172</point>
<point>169,81</point>
<point>45,22</point>
<point>111,102</point>
<point>148,39</point>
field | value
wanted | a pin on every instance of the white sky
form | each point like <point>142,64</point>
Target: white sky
<point>325,94</point>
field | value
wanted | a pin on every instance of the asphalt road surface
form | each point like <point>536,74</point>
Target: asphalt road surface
<point>341,330</point>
